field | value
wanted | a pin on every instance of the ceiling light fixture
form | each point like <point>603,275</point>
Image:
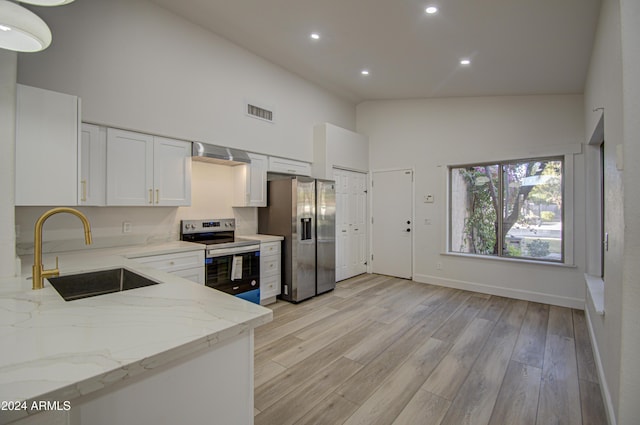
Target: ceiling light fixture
<point>364,72</point>
<point>465,62</point>
<point>315,36</point>
<point>21,29</point>
<point>431,10</point>
<point>46,2</point>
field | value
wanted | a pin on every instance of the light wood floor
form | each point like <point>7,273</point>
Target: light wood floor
<point>381,350</point>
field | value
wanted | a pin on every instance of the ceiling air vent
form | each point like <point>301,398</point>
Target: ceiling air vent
<point>259,112</point>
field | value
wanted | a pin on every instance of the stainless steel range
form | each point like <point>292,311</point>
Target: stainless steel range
<point>231,266</point>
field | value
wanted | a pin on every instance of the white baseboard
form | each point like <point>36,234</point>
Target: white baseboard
<point>604,387</point>
<point>577,303</point>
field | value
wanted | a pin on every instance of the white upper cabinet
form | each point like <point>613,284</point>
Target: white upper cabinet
<point>289,166</point>
<point>46,156</point>
<point>171,172</point>
<point>129,168</point>
<point>251,182</point>
<point>144,170</point>
<point>93,162</point>
<point>336,147</point>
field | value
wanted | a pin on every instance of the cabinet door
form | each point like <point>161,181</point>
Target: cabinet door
<point>258,180</point>
<point>92,186</point>
<point>46,155</point>
<point>251,182</point>
<point>171,172</point>
<point>289,166</point>
<point>129,168</point>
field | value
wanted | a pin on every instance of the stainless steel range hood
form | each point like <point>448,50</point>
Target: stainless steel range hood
<point>219,154</point>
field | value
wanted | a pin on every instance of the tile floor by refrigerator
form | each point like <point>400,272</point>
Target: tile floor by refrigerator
<point>381,350</point>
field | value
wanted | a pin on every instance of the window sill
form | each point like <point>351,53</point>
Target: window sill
<point>595,286</point>
<point>509,260</point>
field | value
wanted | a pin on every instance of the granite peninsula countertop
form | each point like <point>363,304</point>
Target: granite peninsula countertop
<point>58,350</point>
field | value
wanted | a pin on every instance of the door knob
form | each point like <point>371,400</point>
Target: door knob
<point>408,221</point>
<point>408,230</point>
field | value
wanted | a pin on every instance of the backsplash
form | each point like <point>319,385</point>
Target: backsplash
<point>211,197</point>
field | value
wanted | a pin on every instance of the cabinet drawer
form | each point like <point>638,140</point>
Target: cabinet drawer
<point>270,248</point>
<point>173,262</point>
<point>195,274</point>
<point>269,287</point>
<point>270,265</point>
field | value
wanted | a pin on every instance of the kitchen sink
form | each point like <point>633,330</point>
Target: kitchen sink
<point>91,284</point>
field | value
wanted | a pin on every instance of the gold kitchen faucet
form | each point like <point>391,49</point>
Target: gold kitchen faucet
<point>39,273</point>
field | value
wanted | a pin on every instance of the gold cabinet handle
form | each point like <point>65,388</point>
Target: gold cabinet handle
<point>157,196</point>
<point>83,198</point>
<point>151,196</point>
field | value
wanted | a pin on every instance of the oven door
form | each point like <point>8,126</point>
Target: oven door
<point>235,271</point>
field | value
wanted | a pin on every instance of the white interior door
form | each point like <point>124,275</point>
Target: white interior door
<point>358,224</point>
<point>351,223</point>
<point>392,228</point>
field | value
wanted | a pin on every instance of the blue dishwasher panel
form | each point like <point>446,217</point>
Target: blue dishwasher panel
<point>253,296</point>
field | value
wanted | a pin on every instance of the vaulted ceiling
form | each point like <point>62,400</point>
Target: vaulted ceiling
<point>516,47</point>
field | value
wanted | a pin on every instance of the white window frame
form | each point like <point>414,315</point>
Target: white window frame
<point>567,152</point>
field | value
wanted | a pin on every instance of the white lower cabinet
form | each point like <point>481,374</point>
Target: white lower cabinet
<point>270,271</point>
<point>189,265</point>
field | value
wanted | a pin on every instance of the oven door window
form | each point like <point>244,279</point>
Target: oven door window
<point>219,270</point>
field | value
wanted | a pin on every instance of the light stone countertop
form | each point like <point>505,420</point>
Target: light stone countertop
<point>261,238</point>
<point>58,350</point>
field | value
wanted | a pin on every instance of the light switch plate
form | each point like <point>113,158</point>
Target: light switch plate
<point>428,199</point>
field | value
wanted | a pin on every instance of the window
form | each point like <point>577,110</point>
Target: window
<point>508,209</point>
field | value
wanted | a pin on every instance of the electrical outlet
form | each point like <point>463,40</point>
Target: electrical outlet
<point>126,227</point>
<point>428,199</point>
<point>439,265</point>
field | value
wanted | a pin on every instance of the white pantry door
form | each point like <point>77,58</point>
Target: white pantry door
<point>351,223</point>
<point>392,228</point>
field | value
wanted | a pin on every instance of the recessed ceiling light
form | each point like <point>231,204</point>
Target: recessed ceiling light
<point>364,72</point>
<point>315,36</point>
<point>431,10</point>
<point>465,62</point>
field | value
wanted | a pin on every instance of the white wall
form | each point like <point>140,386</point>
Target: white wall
<point>8,65</point>
<point>629,410</point>
<point>137,66</point>
<point>430,134</point>
<point>613,83</point>
<point>604,90</point>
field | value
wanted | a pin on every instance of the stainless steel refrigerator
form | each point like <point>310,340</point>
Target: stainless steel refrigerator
<point>303,211</point>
